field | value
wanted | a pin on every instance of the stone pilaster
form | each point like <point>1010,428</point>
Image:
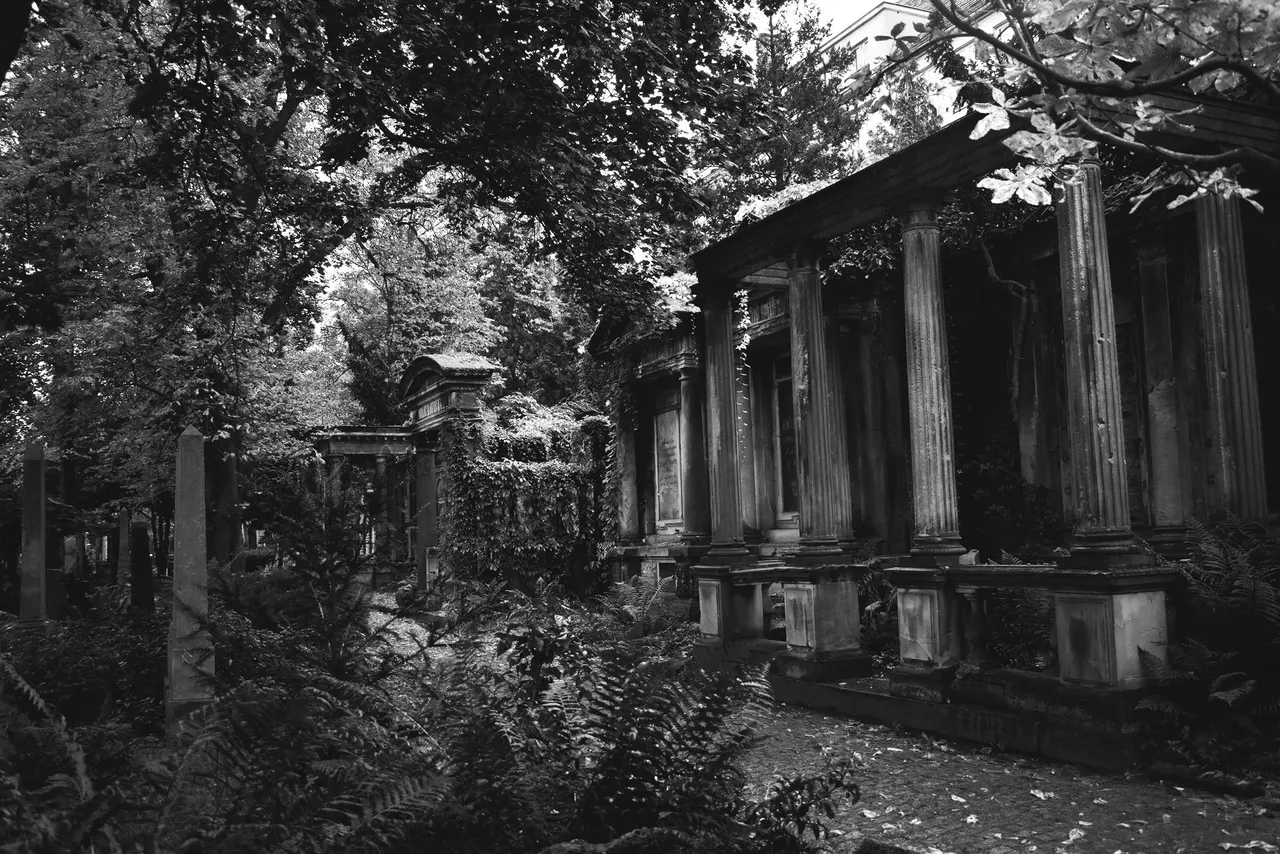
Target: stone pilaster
<point>1099,500</point>
<point>1238,481</point>
<point>33,592</point>
<point>190,647</point>
<point>1166,442</point>
<point>722,433</point>
<point>693,460</point>
<point>933,475</point>
<point>628,487</point>
<point>426,518</point>
<point>822,451</point>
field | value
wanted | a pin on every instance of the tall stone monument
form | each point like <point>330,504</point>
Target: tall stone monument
<point>190,647</point>
<point>33,608</point>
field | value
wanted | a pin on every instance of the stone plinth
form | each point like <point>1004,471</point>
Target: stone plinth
<point>933,476</point>
<point>1099,499</point>
<point>190,666</point>
<point>1233,423</point>
<point>824,635</point>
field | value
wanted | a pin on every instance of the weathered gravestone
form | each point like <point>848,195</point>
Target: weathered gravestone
<point>124,552</point>
<point>141,591</point>
<point>190,647</point>
<point>33,608</point>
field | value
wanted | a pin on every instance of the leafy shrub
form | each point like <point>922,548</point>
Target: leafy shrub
<point>1219,698</point>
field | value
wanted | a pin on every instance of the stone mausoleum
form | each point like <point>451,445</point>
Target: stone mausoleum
<point>787,432</point>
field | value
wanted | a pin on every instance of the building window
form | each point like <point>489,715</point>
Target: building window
<point>784,441</point>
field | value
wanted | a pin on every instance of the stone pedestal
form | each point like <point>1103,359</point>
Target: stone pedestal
<point>933,477</point>
<point>728,611</point>
<point>1099,500</point>
<point>1100,633</point>
<point>1234,426</point>
<point>822,453</point>
<point>190,666</point>
<point>824,634</point>
<point>33,596</point>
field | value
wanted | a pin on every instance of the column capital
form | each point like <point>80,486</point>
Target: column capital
<point>687,373</point>
<point>921,213</point>
<point>805,254</point>
<point>713,295</point>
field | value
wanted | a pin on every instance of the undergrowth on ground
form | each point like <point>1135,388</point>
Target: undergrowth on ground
<point>536,724</point>
<point>1218,703</point>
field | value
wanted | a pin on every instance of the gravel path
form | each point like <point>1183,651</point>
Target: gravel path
<point>962,798</point>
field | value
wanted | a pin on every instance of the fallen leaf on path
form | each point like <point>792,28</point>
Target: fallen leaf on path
<point>1099,800</point>
<point>870,814</point>
<point>971,819</point>
<point>1072,835</point>
<point>1042,795</point>
<point>958,799</point>
<point>1085,823</point>
<point>1256,844</point>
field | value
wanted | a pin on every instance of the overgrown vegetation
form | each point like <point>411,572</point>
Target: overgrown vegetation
<point>1219,703</point>
<point>539,724</point>
<point>522,496</point>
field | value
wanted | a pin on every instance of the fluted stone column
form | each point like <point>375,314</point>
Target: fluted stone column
<point>427,538</point>
<point>190,647</point>
<point>32,601</point>
<point>1234,427</point>
<point>693,461</point>
<point>933,473</point>
<point>124,552</point>
<point>722,433</point>
<point>822,451</point>
<point>1099,493</point>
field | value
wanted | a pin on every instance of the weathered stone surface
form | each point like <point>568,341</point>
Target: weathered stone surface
<point>722,434</point>
<point>191,664</point>
<point>1166,439</point>
<point>628,492</point>
<point>1099,500</point>
<point>33,596</point>
<point>822,453</point>
<point>933,476</point>
<point>693,462</point>
<point>1099,635</point>
<point>1234,426</point>
<point>124,561</point>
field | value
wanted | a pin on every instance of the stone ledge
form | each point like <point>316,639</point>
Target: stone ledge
<point>1022,732</point>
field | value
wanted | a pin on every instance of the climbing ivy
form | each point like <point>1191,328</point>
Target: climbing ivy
<point>522,497</point>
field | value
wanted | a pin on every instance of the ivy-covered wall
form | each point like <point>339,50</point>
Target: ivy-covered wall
<point>524,495</point>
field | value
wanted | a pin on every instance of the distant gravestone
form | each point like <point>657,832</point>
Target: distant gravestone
<point>190,666</point>
<point>33,606</point>
<point>124,552</point>
<point>141,592</point>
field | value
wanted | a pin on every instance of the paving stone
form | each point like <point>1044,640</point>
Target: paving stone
<point>927,792</point>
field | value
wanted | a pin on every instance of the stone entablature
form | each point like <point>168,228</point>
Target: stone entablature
<point>667,355</point>
<point>434,384</point>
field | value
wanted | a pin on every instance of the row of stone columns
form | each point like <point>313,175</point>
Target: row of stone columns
<point>1098,499</point>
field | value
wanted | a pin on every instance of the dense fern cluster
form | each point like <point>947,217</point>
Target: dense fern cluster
<point>546,727</point>
<point>1219,702</point>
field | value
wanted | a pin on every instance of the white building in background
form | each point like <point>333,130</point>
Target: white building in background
<point>869,35</point>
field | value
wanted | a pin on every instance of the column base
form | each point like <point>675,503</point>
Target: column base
<point>1168,540</point>
<point>32,625</point>
<point>819,551</point>
<point>1104,543</point>
<point>943,544</point>
<point>809,665</point>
